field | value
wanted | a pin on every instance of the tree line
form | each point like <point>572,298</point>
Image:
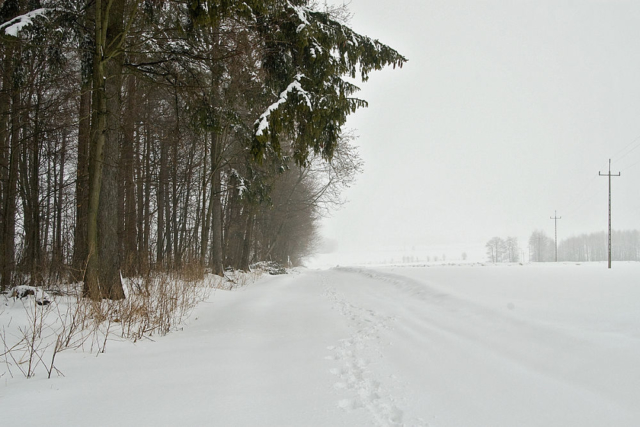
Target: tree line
<point>138,135</point>
<point>502,250</point>
<point>582,248</point>
<point>588,247</point>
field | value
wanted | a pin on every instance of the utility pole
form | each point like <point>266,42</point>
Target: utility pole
<point>609,175</point>
<point>556,218</point>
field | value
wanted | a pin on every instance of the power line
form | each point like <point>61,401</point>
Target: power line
<point>625,152</point>
<point>609,175</point>
<point>628,152</point>
<point>615,156</point>
<point>629,167</point>
<point>580,201</point>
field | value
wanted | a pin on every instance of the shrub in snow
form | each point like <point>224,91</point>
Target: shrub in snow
<point>24,291</point>
<point>270,267</point>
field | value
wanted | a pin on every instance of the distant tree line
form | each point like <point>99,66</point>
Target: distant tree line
<point>138,135</point>
<point>503,250</point>
<point>586,247</point>
<point>593,247</point>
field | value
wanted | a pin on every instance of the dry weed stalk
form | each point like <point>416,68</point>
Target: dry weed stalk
<point>155,304</point>
<point>31,342</point>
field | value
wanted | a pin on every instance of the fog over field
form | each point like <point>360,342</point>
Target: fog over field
<point>504,114</point>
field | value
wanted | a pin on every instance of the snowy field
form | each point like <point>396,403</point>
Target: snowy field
<point>467,346</point>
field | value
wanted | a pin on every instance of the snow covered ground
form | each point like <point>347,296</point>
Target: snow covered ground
<point>533,345</point>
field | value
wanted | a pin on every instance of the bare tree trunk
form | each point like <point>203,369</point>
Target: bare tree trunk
<point>108,218</point>
<point>206,212</point>
<point>161,202</point>
<point>102,279</point>
<point>9,134</point>
<point>80,248</point>
<point>80,251</point>
<point>32,197</point>
<point>51,211</point>
<point>145,257</point>
<point>247,243</point>
<point>195,234</point>
<point>185,207</point>
<point>130,221</point>
<point>216,215</point>
<point>5,104</point>
<point>174,190</point>
<point>10,190</point>
<point>96,158</point>
<point>140,174</point>
<point>200,204</point>
<point>232,233</point>
<point>57,256</point>
<point>168,257</point>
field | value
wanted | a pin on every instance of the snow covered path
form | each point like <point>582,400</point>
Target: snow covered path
<point>553,345</point>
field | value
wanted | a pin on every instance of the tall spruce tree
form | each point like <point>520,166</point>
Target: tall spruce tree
<point>307,56</point>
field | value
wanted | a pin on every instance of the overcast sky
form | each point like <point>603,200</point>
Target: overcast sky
<point>505,112</point>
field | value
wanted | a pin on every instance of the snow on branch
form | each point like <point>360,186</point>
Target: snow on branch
<point>241,187</point>
<point>14,26</point>
<point>263,121</point>
<point>301,11</point>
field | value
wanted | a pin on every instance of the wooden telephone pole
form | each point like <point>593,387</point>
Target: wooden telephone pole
<point>556,218</point>
<point>609,175</point>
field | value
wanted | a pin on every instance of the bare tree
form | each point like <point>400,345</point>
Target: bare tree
<point>495,249</point>
<point>541,247</point>
<point>512,251</point>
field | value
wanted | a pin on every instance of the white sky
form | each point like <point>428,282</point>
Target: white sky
<point>505,112</point>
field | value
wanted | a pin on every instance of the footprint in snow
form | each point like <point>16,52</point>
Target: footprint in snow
<point>349,404</point>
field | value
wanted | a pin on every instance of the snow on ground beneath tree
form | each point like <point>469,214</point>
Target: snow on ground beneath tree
<point>507,345</point>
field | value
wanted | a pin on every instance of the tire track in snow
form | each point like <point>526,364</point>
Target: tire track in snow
<point>523,344</point>
<point>354,354</point>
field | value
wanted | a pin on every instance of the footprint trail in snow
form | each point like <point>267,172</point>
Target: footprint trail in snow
<point>358,384</point>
